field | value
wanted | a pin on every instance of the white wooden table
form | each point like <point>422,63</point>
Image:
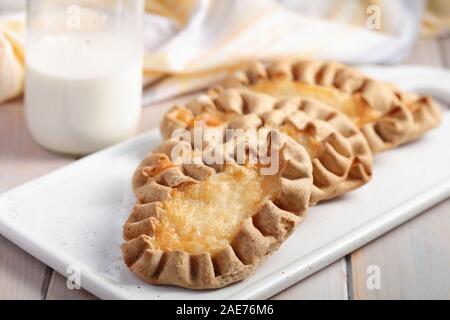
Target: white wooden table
<point>414,259</point>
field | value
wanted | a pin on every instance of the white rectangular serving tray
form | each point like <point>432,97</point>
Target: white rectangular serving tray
<point>74,216</point>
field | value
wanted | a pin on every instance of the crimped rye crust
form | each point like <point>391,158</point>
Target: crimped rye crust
<point>386,118</point>
<point>157,180</point>
<point>341,156</point>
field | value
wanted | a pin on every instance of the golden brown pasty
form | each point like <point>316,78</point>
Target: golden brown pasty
<point>341,157</point>
<point>380,111</point>
<point>202,226</point>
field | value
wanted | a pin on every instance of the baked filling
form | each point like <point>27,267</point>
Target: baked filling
<point>353,106</point>
<point>161,164</point>
<point>205,217</point>
<point>183,115</point>
<point>304,138</point>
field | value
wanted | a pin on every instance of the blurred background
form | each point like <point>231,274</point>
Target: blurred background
<point>191,43</point>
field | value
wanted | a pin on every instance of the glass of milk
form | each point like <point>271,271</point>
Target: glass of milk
<point>83,72</point>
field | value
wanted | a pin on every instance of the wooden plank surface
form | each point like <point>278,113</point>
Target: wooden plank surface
<point>445,50</point>
<point>414,259</point>
<point>426,52</point>
<point>408,257</point>
<point>21,275</point>
<point>329,283</point>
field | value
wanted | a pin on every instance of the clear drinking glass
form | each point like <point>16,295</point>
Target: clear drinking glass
<point>83,72</point>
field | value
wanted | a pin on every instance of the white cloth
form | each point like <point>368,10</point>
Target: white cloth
<point>226,33</point>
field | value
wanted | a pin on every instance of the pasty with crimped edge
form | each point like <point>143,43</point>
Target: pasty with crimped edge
<point>382,113</point>
<point>201,227</point>
<point>342,159</point>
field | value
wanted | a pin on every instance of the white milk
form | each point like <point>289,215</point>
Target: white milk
<point>83,93</point>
